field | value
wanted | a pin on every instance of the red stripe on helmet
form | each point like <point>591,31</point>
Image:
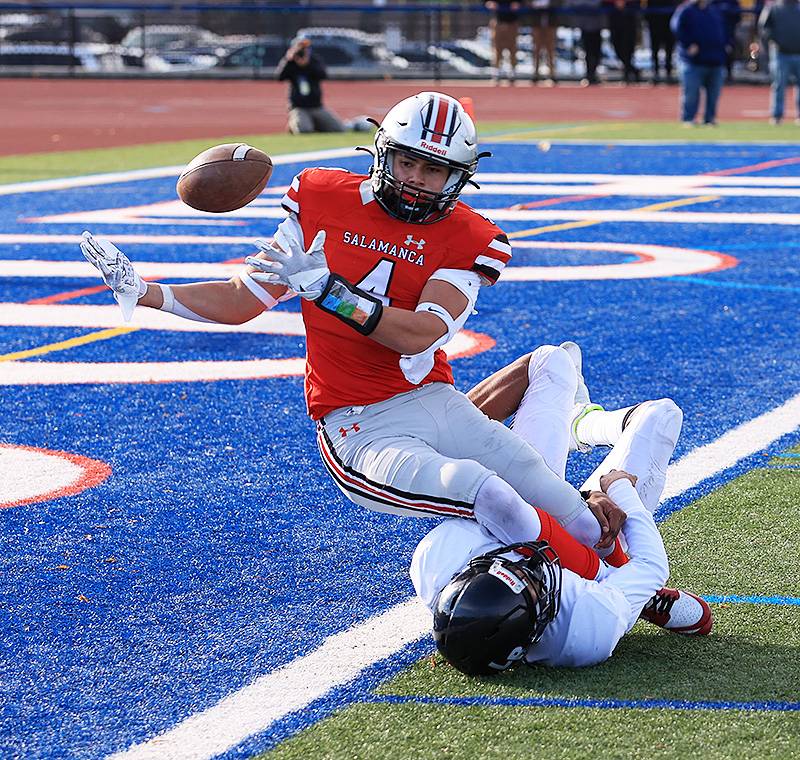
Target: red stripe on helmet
<point>441,120</point>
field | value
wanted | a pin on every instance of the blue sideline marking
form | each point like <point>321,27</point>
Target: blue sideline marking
<point>739,285</point>
<point>736,599</point>
<point>607,704</point>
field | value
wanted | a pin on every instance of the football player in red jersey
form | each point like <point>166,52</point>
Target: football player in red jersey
<point>388,266</point>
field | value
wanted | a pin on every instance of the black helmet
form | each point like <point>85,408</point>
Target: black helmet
<point>492,611</point>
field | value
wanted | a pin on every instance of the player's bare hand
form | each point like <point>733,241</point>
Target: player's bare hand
<point>607,479</point>
<point>609,515</point>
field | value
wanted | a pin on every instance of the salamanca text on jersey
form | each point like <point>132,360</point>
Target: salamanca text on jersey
<point>382,246</point>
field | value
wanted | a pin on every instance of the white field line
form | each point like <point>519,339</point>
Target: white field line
<point>649,217</point>
<point>103,373</point>
<point>150,270</point>
<point>343,656</point>
<point>639,190</point>
<point>250,710</point>
<point>34,239</point>
<point>122,216</point>
<point>96,316</point>
<point>89,180</point>
<point>732,446</point>
<point>653,261</point>
<point>700,181</point>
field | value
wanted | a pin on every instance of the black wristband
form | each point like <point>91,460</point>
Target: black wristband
<point>355,307</point>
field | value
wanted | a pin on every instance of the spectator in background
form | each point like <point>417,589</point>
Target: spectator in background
<point>779,26</point>
<point>543,29</point>
<point>591,20</point>
<point>732,15</point>
<point>305,72</point>
<point>623,23</point>
<point>505,28</point>
<point>658,15</point>
<point>703,45</point>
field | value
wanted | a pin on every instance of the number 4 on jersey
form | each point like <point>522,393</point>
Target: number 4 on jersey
<point>378,279</point>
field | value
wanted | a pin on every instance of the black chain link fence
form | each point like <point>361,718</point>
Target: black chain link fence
<point>367,40</point>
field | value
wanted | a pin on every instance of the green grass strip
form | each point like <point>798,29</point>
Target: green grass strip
<point>25,168</point>
<point>431,732</point>
<point>741,539</point>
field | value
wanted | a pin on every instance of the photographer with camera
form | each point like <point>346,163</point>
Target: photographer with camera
<point>305,72</point>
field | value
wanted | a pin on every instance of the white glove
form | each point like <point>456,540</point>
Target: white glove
<point>116,270</point>
<point>305,272</point>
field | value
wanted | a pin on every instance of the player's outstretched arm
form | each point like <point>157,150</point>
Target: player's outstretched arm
<point>229,302</point>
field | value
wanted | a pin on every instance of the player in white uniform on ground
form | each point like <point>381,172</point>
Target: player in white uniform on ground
<point>494,606</point>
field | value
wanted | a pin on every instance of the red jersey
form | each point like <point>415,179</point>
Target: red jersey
<point>389,258</point>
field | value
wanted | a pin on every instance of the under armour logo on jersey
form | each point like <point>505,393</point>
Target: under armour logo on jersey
<point>352,429</point>
<point>410,241</point>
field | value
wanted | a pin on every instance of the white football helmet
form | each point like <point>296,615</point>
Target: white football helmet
<point>433,127</point>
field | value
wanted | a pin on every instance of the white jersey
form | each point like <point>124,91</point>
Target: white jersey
<point>593,615</point>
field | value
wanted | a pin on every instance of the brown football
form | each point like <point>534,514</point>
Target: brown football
<point>224,178</point>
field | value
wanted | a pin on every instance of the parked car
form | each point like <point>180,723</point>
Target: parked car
<point>423,60</point>
<point>362,48</point>
<point>343,55</point>
<point>172,48</point>
<point>86,56</point>
<point>255,55</point>
<point>50,33</point>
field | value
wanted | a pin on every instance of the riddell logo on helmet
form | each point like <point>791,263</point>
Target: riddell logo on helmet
<point>433,148</point>
<point>511,580</point>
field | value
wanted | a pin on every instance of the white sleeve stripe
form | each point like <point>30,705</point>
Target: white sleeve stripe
<point>485,261</point>
<point>296,183</point>
<point>287,202</point>
<point>500,246</point>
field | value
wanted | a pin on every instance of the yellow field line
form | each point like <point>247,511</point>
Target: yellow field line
<point>552,228</point>
<point>590,222</point>
<point>63,345</point>
<point>680,202</point>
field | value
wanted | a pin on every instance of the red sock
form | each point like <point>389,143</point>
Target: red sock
<point>617,558</point>
<point>573,554</point>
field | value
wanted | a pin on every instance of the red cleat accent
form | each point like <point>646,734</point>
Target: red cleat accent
<point>679,612</point>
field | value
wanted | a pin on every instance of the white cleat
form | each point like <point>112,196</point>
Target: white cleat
<point>679,612</point>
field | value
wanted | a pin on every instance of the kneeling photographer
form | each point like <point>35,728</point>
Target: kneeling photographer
<point>305,72</point>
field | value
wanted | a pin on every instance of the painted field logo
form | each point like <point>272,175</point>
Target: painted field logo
<point>29,475</point>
